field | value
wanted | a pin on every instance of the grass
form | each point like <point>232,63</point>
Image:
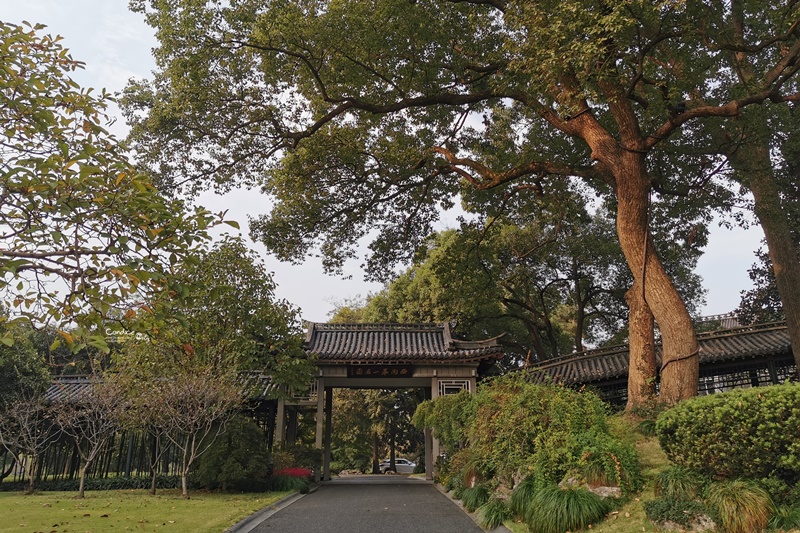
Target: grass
<point>128,510</point>
<point>557,510</point>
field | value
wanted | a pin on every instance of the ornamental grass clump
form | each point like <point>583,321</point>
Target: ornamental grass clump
<point>557,510</point>
<point>474,497</point>
<point>522,496</point>
<point>742,506</point>
<point>679,483</point>
<point>493,513</point>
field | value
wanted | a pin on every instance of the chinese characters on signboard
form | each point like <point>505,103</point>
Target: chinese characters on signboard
<point>380,371</point>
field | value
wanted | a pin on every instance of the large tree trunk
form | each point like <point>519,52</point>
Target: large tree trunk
<point>375,460</point>
<point>754,169</point>
<point>642,370</point>
<point>680,370</point>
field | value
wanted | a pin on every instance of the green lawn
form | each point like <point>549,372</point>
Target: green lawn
<point>128,510</point>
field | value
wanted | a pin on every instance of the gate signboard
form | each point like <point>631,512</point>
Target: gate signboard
<point>380,371</point>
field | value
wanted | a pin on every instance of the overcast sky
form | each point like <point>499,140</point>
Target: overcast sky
<point>116,46</point>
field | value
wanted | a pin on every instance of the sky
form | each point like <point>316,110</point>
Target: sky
<point>116,46</point>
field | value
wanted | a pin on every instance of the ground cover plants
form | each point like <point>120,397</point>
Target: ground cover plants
<point>119,510</point>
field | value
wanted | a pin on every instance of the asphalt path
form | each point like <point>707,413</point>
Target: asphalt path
<point>367,504</point>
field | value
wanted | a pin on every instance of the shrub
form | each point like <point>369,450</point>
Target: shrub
<point>556,510</point>
<point>682,512</point>
<point>781,492</point>
<point>747,433</point>
<point>239,453</point>
<point>493,513</point>
<point>742,506</point>
<point>606,461</point>
<point>514,425</point>
<point>286,483</point>
<point>474,497</point>
<point>679,483</point>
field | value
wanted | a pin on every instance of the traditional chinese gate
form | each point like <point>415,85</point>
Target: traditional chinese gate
<point>386,356</point>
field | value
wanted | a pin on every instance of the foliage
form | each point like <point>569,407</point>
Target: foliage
<point>742,506</point>
<point>747,433</point>
<point>86,237</point>
<point>512,428</point>
<point>781,492</point>
<point>235,320</point>
<point>785,518</point>
<point>22,370</point>
<point>557,510</point>
<point>679,483</point>
<point>240,453</point>
<point>607,461</point>
<point>341,111</point>
<point>194,407</point>
<point>232,323</point>
<point>493,513</point>
<point>683,512</point>
<point>447,417</point>
<point>351,438</point>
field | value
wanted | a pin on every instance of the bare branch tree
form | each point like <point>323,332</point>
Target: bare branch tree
<point>92,419</point>
<point>194,407</point>
<point>27,429</point>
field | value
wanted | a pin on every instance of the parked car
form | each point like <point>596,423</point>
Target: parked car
<point>402,466</point>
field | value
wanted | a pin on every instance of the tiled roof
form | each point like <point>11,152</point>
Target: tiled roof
<point>605,364</point>
<point>395,344</point>
<point>70,389</point>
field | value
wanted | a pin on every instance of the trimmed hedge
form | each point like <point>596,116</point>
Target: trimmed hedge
<point>92,484</point>
<point>747,433</point>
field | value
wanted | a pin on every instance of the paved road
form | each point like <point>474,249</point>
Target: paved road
<point>369,504</point>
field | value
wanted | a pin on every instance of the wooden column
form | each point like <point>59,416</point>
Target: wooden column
<point>280,423</point>
<point>434,441</point>
<point>320,420</point>
<point>326,461</point>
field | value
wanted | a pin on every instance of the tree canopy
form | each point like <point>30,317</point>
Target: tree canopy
<point>367,118</point>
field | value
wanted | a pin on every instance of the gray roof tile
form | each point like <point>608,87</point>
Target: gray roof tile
<point>395,344</point>
<point>604,364</point>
